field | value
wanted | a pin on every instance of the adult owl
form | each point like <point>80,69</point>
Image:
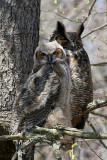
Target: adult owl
<point>81,79</point>
<point>44,98</point>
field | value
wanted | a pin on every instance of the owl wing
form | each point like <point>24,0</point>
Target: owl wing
<point>81,86</point>
<point>36,99</point>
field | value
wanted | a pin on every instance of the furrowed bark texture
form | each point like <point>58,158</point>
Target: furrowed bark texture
<point>19,34</point>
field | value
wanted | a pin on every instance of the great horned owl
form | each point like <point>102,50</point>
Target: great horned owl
<point>81,79</point>
<point>44,98</point>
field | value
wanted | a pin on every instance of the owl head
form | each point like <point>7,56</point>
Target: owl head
<point>69,40</point>
<point>49,53</point>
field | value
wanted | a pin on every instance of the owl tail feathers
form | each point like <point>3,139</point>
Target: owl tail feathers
<point>79,122</point>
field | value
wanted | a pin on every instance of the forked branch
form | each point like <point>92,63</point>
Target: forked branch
<point>90,10</point>
<point>95,29</point>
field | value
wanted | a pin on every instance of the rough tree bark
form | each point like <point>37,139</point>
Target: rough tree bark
<point>19,34</point>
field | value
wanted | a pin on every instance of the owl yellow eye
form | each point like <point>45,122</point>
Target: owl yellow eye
<point>40,55</point>
<point>58,53</point>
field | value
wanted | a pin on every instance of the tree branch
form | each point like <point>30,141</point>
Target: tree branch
<point>95,29</point>
<point>90,10</point>
<point>100,12</point>
<point>56,148</point>
<point>61,16</point>
<point>28,143</point>
<point>43,156</point>
<point>42,134</point>
<point>55,132</point>
<point>92,150</point>
<point>19,155</point>
<point>100,64</point>
<point>95,105</point>
<point>92,126</point>
<point>59,131</point>
<point>99,114</point>
<point>91,106</point>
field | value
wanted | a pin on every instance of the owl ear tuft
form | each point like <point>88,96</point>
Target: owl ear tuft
<point>80,29</point>
<point>60,30</point>
<point>60,27</point>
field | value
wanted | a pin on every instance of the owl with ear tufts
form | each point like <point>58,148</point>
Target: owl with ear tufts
<point>44,98</point>
<point>81,80</point>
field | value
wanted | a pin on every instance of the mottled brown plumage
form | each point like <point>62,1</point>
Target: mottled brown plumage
<point>81,79</point>
<point>44,98</point>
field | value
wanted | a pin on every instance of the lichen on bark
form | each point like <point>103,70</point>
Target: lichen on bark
<point>19,35</point>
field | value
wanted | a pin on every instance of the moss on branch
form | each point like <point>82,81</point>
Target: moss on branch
<point>40,134</point>
<point>95,105</point>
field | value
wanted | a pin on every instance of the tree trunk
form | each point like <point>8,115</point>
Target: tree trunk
<point>19,34</point>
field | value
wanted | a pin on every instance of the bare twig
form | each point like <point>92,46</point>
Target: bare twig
<point>56,148</point>
<point>100,64</point>
<point>104,41</point>
<point>100,12</point>
<point>99,114</point>
<point>95,105</point>
<point>92,150</point>
<point>40,153</point>
<point>90,10</point>
<point>92,126</point>
<point>29,143</point>
<point>95,29</point>
<point>19,155</point>
<point>14,156</point>
<point>61,16</point>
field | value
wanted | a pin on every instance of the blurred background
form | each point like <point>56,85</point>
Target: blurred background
<point>72,13</point>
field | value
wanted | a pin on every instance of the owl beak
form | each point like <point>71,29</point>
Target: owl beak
<point>49,58</point>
